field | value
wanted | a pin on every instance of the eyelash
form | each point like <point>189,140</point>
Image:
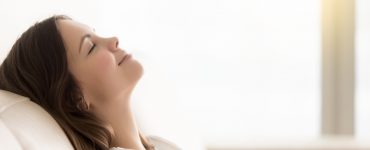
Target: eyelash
<point>92,48</point>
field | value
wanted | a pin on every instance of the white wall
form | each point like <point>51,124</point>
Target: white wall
<point>18,15</point>
<point>362,69</point>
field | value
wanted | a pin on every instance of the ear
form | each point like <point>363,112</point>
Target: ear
<point>83,104</point>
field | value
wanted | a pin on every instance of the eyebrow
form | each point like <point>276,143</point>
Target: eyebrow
<point>81,41</point>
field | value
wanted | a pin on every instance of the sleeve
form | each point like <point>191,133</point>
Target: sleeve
<point>117,148</point>
<point>162,144</point>
<point>158,142</point>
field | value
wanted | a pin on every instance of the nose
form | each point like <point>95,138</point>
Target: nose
<point>113,43</point>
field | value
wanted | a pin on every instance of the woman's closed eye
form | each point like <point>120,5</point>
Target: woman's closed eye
<point>91,49</point>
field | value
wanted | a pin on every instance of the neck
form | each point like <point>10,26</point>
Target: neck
<point>117,112</point>
<point>126,133</point>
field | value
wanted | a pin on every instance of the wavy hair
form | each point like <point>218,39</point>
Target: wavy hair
<point>36,67</point>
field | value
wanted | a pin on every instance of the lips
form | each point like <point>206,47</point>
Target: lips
<point>123,59</point>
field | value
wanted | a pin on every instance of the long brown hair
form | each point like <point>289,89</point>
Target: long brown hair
<point>36,67</point>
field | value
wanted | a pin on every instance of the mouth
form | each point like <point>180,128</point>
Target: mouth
<point>124,58</point>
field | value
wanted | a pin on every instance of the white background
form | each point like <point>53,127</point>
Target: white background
<point>239,70</point>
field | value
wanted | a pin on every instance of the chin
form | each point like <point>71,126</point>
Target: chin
<point>139,70</point>
<point>133,70</point>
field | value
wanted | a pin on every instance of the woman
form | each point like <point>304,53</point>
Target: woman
<point>83,80</point>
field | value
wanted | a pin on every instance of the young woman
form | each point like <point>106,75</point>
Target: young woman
<point>83,80</point>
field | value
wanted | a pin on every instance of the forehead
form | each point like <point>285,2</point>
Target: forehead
<point>72,32</point>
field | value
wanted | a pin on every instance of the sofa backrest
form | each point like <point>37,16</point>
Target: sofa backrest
<point>25,125</point>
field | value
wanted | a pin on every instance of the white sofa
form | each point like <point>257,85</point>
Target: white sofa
<point>25,125</point>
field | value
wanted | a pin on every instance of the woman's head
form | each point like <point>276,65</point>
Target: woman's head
<point>57,63</point>
<point>96,63</point>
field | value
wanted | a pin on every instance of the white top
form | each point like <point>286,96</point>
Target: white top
<point>158,142</point>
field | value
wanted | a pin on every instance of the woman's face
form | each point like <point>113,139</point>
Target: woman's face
<point>94,61</point>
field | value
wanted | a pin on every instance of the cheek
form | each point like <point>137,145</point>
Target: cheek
<point>103,63</point>
<point>98,68</point>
